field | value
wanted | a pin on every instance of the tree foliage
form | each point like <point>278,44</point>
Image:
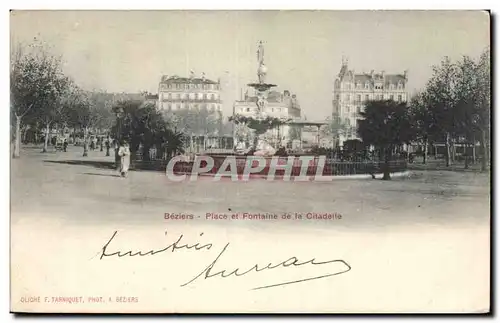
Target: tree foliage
<point>144,127</point>
<point>385,124</point>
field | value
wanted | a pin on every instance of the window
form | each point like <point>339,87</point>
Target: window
<point>358,85</point>
<point>392,97</point>
<point>348,121</point>
<point>358,98</point>
<point>367,85</point>
<point>358,110</point>
<point>400,85</point>
<point>178,95</point>
<point>400,98</point>
<point>348,97</point>
<point>367,97</point>
<point>169,107</point>
<point>391,86</point>
<point>170,96</point>
<point>337,97</point>
<point>348,109</point>
<point>248,109</point>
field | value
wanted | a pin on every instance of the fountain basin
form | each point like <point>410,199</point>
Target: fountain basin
<point>316,167</point>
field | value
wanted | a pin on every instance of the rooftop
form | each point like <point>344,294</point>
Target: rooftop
<point>186,80</point>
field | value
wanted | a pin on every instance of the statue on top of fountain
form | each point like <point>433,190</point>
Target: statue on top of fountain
<point>262,70</point>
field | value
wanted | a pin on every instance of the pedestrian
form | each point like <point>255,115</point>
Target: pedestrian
<point>108,146</point>
<point>124,153</point>
<point>65,145</point>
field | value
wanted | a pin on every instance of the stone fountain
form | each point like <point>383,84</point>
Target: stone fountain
<point>261,122</point>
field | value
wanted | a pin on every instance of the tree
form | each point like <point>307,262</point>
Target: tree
<point>144,127</point>
<point>422,121</point>
<point>37,85</point>
<point>466,102</point>
<point>441,98</point>
<point>483,107</point>
<point>385,125</point>
<point>84,112</point>
<point>455,105</point>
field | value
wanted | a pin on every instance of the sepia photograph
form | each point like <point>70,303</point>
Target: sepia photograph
<point>250,161</point>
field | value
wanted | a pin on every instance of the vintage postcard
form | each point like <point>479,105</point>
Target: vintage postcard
<point>250,161</point>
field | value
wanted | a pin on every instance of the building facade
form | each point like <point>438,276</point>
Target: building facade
<point>193,93</point>
<point>352,90</point>
<point>279,105</point>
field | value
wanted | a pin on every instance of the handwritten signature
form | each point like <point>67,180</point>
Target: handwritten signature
<point>207,272</point>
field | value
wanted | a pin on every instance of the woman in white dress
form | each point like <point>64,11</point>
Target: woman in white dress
<point>124,153</point>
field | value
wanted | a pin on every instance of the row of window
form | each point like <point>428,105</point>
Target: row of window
<point>348,109</point>
<point>271,109</point>
<point>189,86</point>
<point>357,98</point>
<point>378,86</point>
<point>192,96</point>
<point>180,106</point>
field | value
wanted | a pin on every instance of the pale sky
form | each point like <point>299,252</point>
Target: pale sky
<point>129,50</point>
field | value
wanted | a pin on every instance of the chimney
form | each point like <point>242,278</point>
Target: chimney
<point>383,74</point>
<point>405,74</point>
<point>203,76</point>
<point>371,73</point>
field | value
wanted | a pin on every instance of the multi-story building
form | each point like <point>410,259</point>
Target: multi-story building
<point>352,90</point>
<point>279,105</point>
<point>179,93</point>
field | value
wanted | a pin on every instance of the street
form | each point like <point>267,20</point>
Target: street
<point>426,231</point>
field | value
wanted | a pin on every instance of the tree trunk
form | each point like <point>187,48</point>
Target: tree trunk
<point>85,143</point>
<point>425,151</point>
<point>46,141</point>
<point>17,140</point>
<point>484,153</point>
<point>453,151</point>
<point>473,149</point>
<point>145,153</point>
<point>447,152</point>
<point>24,133</point>
<point>387,158</point>
<point>466,156</point>
<point>117,159</point>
